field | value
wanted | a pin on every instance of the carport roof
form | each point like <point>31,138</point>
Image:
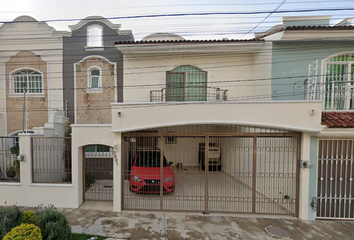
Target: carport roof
<point>338,119</point>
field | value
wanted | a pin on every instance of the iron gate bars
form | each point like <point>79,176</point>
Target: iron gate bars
<point>239,173</point>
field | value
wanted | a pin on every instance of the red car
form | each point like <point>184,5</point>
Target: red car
<point>145,173</point>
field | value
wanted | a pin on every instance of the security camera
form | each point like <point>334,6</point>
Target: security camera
<point>307,164</point>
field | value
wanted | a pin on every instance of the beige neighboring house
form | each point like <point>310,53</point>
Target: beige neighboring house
<point>31,54</point>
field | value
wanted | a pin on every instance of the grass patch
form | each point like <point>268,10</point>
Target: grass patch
<point>83,236</point>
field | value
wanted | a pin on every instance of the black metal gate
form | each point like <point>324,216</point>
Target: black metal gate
<point>98,172</point>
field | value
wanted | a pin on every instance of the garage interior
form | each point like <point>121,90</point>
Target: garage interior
<point>250,169</point>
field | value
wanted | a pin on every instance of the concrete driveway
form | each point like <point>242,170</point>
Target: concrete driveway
<point>141,225</point>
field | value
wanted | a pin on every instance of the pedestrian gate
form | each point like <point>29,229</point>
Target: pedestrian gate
<point>98,173</point>
<point>335,193</point>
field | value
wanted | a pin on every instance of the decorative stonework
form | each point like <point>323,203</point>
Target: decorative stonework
<point>37,106</point>
<point>94,107</point>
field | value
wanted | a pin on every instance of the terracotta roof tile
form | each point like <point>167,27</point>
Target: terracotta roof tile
<point>338,119</point>
<point>189,41</point>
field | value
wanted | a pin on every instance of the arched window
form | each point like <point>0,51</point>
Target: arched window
<point>338,82</point>
<point>30,79</point>
<point>94,79</point>
<point>186,83</point>
<point>94,36</point>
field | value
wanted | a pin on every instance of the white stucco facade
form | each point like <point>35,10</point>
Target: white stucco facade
<point>241,68</point>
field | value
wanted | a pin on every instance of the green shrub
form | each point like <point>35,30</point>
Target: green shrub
<point>53,225</point>
<point>9,218</point>
<point>24,232</point>
<point>28,217</point>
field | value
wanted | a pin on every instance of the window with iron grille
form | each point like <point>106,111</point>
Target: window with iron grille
<point>186,83</point>
<point>30,79</point>
<point>338,82</point>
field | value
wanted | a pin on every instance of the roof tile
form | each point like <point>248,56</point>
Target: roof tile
<point>338,119</point>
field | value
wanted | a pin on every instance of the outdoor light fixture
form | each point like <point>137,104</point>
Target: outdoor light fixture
<point>306,164</point>
<point>119,114</point>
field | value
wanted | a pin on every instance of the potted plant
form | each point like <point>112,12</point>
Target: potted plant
<point>13,169</point>
<point>15,150</point>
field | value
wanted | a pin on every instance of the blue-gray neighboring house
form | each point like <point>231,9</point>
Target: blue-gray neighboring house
<point>313,59</point>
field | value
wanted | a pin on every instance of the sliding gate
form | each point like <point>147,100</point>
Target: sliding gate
<point>211,173</point>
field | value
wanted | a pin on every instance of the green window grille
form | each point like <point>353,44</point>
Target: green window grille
<point>338,89</point>
<point>186,83</point>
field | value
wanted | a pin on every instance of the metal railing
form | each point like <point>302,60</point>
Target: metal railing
<point>51,160</point>
<point>188,94</point>
<point>337,95</point>
<point>9,165</point>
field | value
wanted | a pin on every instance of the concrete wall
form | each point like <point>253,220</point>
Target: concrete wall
<point>83,135</point>
<point>282,115</point>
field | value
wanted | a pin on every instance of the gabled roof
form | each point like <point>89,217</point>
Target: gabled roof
<point>338,119</point>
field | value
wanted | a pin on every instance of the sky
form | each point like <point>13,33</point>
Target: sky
<point>252,16</point>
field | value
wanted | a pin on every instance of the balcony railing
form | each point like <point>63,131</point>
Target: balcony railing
<point>188,94</point>
<point>337,95</point>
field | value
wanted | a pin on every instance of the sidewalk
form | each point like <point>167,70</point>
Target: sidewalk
<point>141,225</point>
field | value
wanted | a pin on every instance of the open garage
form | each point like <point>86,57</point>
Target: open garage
<point>211,168</point>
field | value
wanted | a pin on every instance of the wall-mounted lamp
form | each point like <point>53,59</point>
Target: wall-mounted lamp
<point>306,164</point>
<point>119,114</point>
<point>312,111</point>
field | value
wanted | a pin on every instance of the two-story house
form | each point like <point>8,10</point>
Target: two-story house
<point>187,101</point>
<point>31,54</point>
<point>313,60</point>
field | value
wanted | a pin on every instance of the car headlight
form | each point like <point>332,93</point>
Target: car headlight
<point>136,179</point>
<point>169,179</point>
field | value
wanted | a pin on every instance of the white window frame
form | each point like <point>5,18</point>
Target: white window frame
<point>14,73</point>
<point>348,86</point>
<point>94,38</point>
<point>90,89</point>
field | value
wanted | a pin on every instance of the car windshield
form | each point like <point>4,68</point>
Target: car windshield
<point>150,159</point>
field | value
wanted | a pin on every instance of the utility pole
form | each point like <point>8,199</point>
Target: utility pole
<point>24,107</point>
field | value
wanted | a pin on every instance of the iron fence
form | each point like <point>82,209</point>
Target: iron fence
<point>51,160</point>
<point>9,165</point>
